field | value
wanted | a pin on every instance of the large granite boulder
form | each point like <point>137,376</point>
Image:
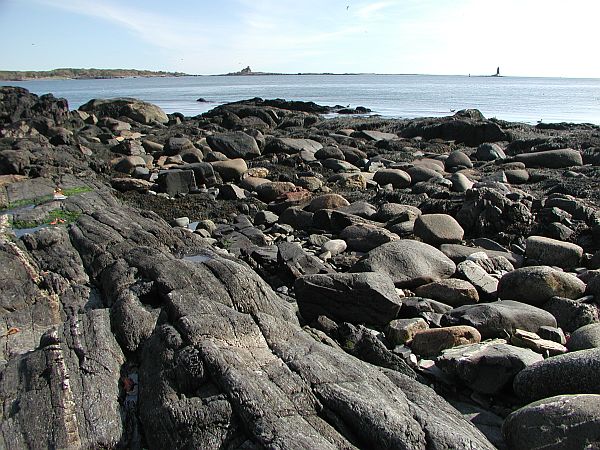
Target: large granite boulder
<point>409,263</point>
<point>138,110</point>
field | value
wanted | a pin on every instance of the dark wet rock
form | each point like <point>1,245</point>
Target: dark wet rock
<point>177,146</point>
<point>430,310</point>
<point>552,159</point>
<point>297,218</point>
<point>457,160</point>
<point>489,152</point>
<point>19,104</point>
<point>537,284</point>
<point>349,297</point>
<point>499,319</point>
<point>292,146</point>
<point>409,263</point>
<point>487,367</point>
<point>14,162</point>
<point>585,337</point>
<point>175,182</point>
<point>572,314</point>
<point>571,373</point>
<point>534,425</point>
<point>471,131</point>
<point>236,144</point>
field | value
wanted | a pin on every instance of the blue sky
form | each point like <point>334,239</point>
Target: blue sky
<point>523,37</point>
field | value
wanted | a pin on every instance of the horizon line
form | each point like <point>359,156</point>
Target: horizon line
<point>261,73</point>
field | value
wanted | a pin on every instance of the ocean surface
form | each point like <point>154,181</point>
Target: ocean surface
<point>519,99</point>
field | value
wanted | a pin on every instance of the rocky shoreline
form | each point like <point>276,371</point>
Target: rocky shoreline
<point>262,277</point>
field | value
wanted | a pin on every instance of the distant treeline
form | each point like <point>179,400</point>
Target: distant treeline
<point>14,75</point>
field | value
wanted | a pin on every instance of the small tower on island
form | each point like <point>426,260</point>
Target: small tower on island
<point>498,72</point>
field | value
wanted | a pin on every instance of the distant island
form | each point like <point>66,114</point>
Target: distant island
<point>82,74</point>
<point>246,72</point>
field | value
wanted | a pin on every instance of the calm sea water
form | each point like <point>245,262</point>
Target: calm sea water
<point>402,96</point>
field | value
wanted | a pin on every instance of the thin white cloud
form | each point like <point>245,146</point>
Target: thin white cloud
<point>161,31</point>
<point>371,10</point>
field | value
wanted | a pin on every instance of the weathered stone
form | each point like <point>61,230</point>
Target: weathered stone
<point>327,201</point>
<point>438,229</point>
<point>487,367</point>
<point>530,340</point>
<point>357,298</point>
<point>397,178</point>
<point>499,319</point>
<point>292,146</point>
<point>485,284</point>
<point>537,284</point>
<point>142,112</point>
<point>585,337</point>
<point>545,251</point>
<point>452,291</point>
<point>401,331</point>
<point>551,159</point>
<point>572,314</point>
<point>535,425</point>
<point>231,170</point>
<point>571,373</point>
<point>409,263</point>
<point>366,237</point>
<point>175,182</point>
<point>235,144</point>
<point>432,342</point>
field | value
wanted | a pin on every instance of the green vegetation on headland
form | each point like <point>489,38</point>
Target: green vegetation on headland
<point>68,73</point>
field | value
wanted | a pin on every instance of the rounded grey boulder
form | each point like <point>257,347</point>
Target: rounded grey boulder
<point>397,178</point>
<point>571,373</point>
<point>438,229</point>
<point>535,426</point>
<point>535,285</point>
<point>551,159</point>
<point>585,337</point>
<point>407,262</point>
<point>546,251</point>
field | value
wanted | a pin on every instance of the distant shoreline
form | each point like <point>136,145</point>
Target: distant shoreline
<point>83,74</point>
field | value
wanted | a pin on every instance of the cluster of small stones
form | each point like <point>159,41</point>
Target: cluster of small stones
<point>460,250</point>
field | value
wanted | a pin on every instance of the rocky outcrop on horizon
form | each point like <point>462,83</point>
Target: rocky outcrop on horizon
<point>263,277</point>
